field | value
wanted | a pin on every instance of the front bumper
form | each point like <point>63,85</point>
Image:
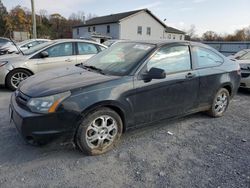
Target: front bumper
<point>245,79</point>
<point>3,74</point>
<point>42,128</point>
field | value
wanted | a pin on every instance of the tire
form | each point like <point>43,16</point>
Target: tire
<point>220,103</point>
<point>99,131</point>
<point>14,78</point>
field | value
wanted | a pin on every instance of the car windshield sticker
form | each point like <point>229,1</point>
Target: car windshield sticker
<point>142,47</point>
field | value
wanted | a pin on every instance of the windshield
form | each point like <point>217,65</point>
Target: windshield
<point>23,42</point>
<point>37,48</point>
<point>120,58</point>
<point>240,53</point>
<point>246,56</point>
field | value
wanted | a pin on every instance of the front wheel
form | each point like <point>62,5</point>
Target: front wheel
<point>15,77</point>
<point>99,131</point>
<point>220,103</point>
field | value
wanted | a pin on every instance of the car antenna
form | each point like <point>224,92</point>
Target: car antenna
<point>16,46</point>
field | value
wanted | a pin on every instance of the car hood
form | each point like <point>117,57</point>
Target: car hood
<point>60,80</point>
<point>13,57</point>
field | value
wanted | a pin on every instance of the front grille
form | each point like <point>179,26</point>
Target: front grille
<point>242,84</point>
<point>21,99</point>
<point>245,75</point>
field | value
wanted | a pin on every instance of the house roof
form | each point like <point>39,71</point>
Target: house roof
<point>173,30</point>
<point>114,18</point>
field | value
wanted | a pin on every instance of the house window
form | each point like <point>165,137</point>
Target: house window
<point>77,31</point>
<point>181,37</point>
<point>139,30</point>
<point>89,29</point>
<point>169,36</point>
<point>94,29</point>
<point>148,30</point>
<point>108,28</point>
<point>174,37</point>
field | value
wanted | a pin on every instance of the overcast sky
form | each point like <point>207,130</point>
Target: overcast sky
<point>222,16</point>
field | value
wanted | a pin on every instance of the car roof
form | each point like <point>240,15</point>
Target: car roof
<point>165,42</point>
<point>77,40</point>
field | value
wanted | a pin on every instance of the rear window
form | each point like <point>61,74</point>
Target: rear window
<point>86,48</point>
<point>207,58</point>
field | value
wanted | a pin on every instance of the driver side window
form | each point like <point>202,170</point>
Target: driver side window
<point>171,59</point>
<point>59,50</point>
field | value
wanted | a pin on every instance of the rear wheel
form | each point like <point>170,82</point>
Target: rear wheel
<point>15,77</point>
<point>220,103</point>
<point>99,132</point>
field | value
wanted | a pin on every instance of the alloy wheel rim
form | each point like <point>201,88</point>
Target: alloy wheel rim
<point>221,103</point>
<point>17,78</point>
<point>101,132</point>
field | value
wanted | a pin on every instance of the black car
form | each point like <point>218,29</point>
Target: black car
<point>131,84</point>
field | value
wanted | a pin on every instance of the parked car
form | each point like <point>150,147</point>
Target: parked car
<point>52,54</point>
<point>243,58</point>
<point>128,85</point>
<point>239,54</point>
<point>4,41</point>
<point>10,47</point>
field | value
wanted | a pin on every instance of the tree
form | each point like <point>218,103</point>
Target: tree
<point>19,19</point>
<point>3,20</point>
<point>210,36</point>
<point>191,32</point>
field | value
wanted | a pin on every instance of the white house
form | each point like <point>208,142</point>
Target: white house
<point>133,25</point>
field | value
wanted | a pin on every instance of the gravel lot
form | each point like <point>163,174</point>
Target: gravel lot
<point>202,152</point>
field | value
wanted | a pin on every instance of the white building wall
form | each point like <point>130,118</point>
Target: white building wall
<point>174,36</point>
<point>129,26</point>
<point>127,29</point>
<point>102,29</point>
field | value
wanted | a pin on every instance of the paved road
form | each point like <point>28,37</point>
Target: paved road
<point>202,152</point>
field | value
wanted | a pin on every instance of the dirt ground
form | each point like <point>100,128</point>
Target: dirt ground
<point>201,152</point>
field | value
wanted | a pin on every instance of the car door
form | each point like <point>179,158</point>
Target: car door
<point>59,55</point>
<point>85,51</point>
<point>208,65</point>
<point>164,98</point>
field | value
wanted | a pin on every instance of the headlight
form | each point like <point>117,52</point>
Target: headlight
<point>2,63</point>
<point>47,104</point>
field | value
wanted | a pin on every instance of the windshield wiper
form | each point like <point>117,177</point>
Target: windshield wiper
<point>90,67</point>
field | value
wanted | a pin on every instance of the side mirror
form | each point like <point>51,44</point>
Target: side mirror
<point>154,73</point>
<point>44,54</point>
<point>30,45</point>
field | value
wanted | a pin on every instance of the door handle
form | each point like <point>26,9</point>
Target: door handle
<point>68,60</point>
<point>190,75</point>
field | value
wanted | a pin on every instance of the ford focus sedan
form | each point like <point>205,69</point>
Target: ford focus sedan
<point>131,84</point>
<point>53,54</point>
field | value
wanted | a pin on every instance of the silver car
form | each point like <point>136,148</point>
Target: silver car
<point>57,53</point>
<point>10,48</point>
<point>243,58</point>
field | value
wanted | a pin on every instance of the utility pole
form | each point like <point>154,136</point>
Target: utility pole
<point>33,19</point>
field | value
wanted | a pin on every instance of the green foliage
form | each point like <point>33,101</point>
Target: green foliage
<point>53,26</point>
<point>3,14</point>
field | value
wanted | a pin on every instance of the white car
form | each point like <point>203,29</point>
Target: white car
<point>243,58</point>
<point>15,68</point>
<point>10,48</point>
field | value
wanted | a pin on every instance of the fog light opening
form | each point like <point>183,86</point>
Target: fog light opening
<point>30,140</point>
